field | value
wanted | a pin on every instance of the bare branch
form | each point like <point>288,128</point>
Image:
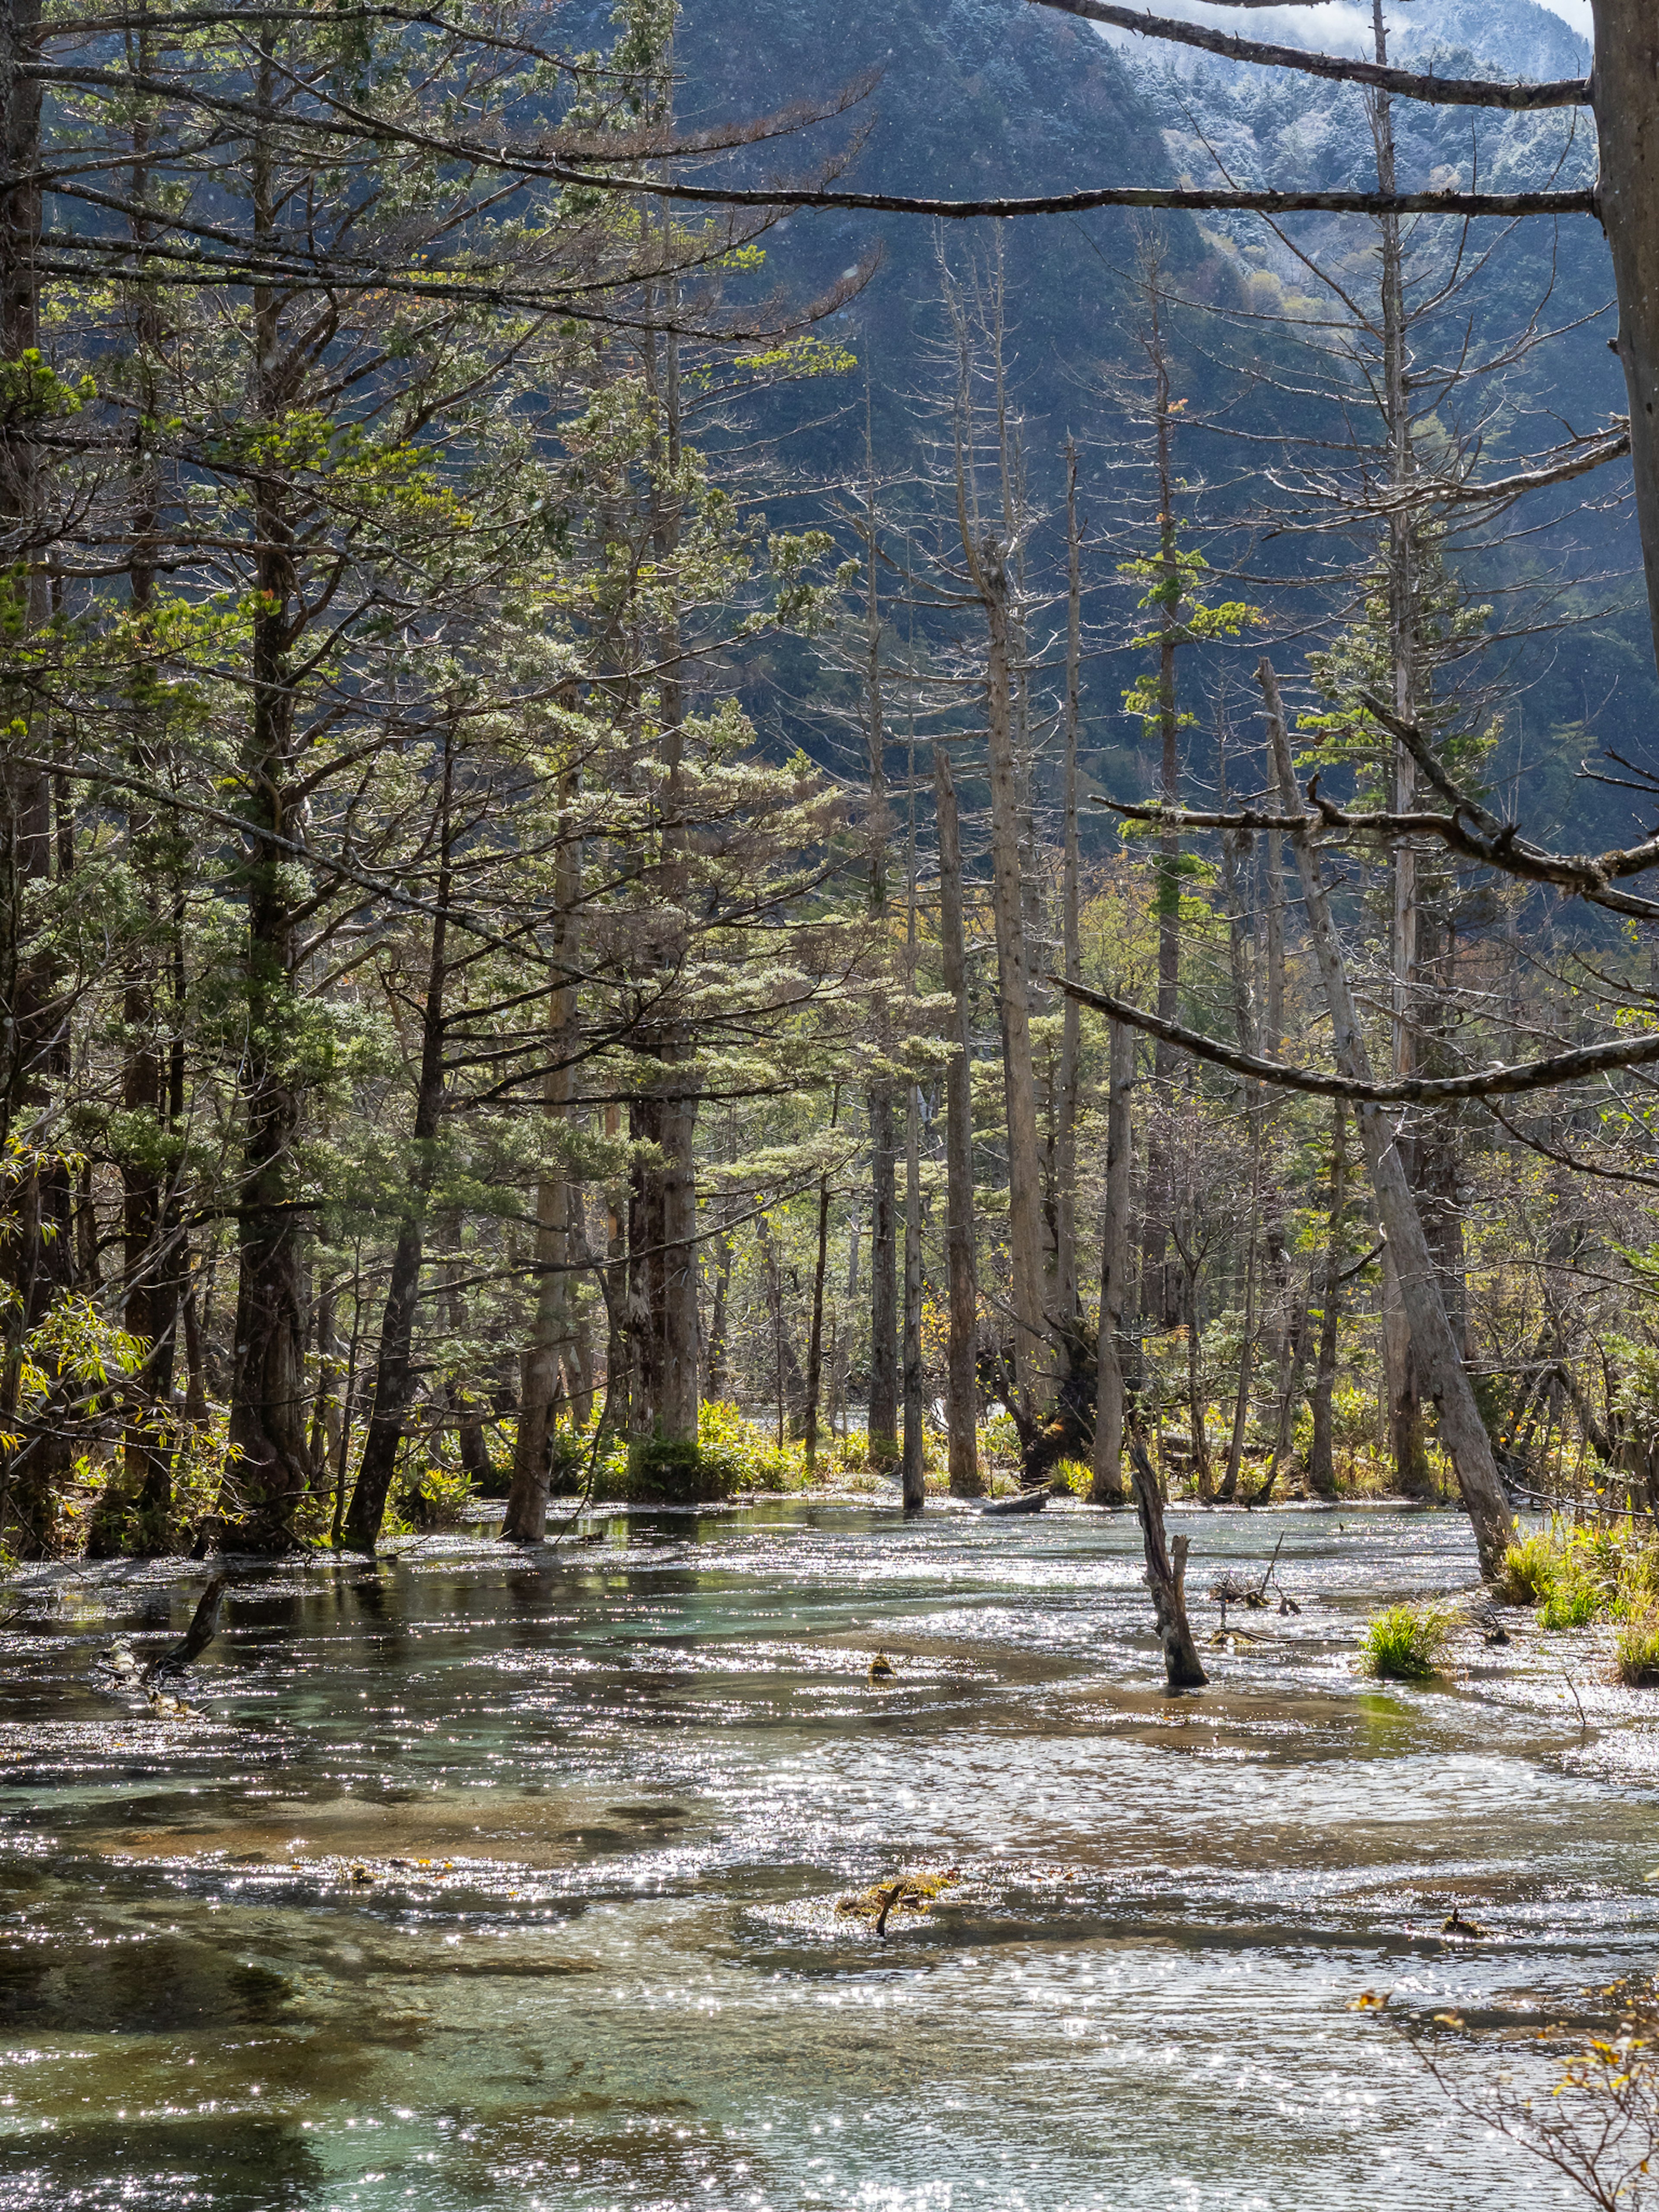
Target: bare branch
<point>1127,196</point>
<point>1637,1051</point>
<point>1585,875</point>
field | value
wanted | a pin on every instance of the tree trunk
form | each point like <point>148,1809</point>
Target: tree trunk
<point>1321,1464</point>
<point>1273,913</point>
<point>1290,1390</point>
<point>915,1487</point>
<point>1234,847</point>
<point>1626,89</point>
<point>1107,1488</point>
<point>1160,1281</point>
<point>1065,1276</point>
<point>267,1417</point>
<point>471,1447</point>
<point>1228,1489</point>
<point>1197,1411</point>
<point>541,1363</point>
<point>881,1427</point>
<point>790,1388</point>
<point>815,1341</point>
<point>151,1237</point>
<point>718,1384</point>
<point>884,1417</point>
<point>325,1402</point>
<point>1031,1364</point>
<point>1433,1347</point>
<point>394,1378</point>
<point>962,1400</point>
<point>36,1249</point>
<point>1166,1576</point>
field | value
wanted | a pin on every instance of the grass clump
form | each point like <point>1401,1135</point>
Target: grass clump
<point>1529,1568</point>
<point>1636,1651</point>
<point>1404,1643</point>
<point>1574,1599</point>
<point>1578,1574</point>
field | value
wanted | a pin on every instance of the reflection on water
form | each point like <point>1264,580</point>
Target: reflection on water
<point>474,1882</point>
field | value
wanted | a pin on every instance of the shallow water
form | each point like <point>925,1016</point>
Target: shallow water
<point>476,1883</point>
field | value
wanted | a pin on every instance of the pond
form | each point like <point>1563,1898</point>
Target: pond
<point>476,1879</point>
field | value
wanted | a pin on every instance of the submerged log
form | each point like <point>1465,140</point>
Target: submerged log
<point>1029,1501</point>
<point>1166,1574</point>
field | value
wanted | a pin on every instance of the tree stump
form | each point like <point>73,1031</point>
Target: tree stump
<point>1166,1574</point>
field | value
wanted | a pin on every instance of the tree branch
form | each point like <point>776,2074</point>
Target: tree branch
<point>1442,91</point>
<point>1424,1090</point>
<point>1126,195</point>
<point>1589,876</point>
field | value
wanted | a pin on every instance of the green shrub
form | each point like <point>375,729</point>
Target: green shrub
<point>568,1461</point>
<point>1403,1644</point>
<point>751,1459</point>
<point>429,1499</point>
<point>1071,1474</point>
<point>1637,1649</point>
<point>679,1473</point>
<point>999,1441</point>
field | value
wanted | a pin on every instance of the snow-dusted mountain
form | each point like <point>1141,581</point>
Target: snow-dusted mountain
<point>1262,126</point>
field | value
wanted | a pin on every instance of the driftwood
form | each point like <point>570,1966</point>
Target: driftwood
<point>203,1628</point>
<point>1166,1574</point>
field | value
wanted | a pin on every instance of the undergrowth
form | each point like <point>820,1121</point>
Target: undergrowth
<point>1403,1644</point>
<point>1575,1574</point>
<point>1635,1649</point>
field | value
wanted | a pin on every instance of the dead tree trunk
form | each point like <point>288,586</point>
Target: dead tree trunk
<point>881,1427</point>
<point>1228,1489</point>
<point>1065,1284</point>
<point>883,1421</point>
<point>1020,1089</point>
<point>815,1341</point>
<point>915,1487</point>
<point>962,1398</point>
<point>719,1383</point>
<point>1166,1576</point>
<point>1289,1389</point>
<point>1109,1392</point>
<point>1321,1464</point>
<point>1433,1345</point>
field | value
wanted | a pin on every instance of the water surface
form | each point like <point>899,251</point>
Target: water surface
<point>476,1880</point>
